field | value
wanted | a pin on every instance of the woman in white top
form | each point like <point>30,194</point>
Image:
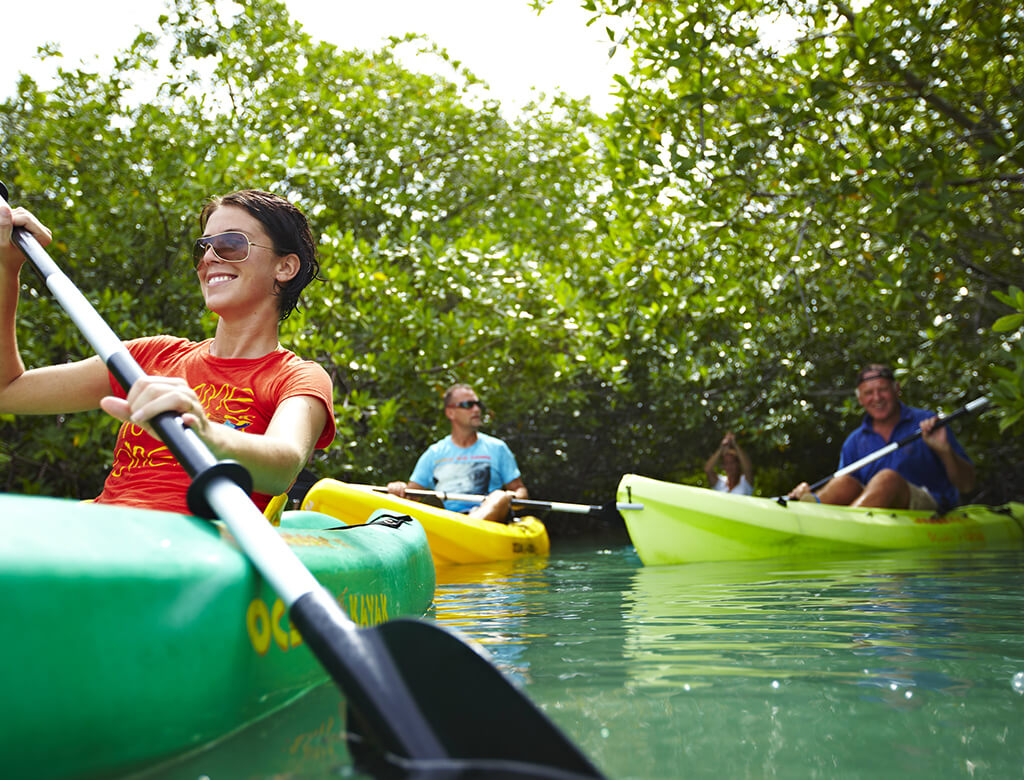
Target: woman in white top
<point>739,474</point>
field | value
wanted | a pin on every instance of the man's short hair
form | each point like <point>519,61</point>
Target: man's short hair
<point>451,391</point>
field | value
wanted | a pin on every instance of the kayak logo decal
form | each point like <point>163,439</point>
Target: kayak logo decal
<point>263,625</point>
<point>269,625</point>
<point>367,609</point>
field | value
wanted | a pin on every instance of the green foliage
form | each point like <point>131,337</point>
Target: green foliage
<point>448,233</point>
<point>722,252</point>
<point>851,195</point>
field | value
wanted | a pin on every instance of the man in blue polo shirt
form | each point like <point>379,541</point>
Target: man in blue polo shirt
<point>929,473</point>
<point>468,461</point>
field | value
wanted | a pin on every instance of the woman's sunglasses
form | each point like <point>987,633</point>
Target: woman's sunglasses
<point>470,405</point>
<point>231,247</point>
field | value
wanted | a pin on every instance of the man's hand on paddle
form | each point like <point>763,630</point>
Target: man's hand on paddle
<point>801,490</point>
<point>935,438</point>
<point>398,488</point>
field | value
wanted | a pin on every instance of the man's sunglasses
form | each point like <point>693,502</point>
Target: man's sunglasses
<point>231,247</point>
<point>470,405</point>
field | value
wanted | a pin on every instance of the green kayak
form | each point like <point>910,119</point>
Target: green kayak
<point>133,636</point>
<point>683,524</point>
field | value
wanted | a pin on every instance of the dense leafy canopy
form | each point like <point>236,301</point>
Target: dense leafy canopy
<point>750,224</point>
<point>851,193</point>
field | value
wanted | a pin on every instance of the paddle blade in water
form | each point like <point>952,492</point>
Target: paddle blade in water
<point>485,724</point>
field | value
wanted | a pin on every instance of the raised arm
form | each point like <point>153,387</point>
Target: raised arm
<point>711,466</point>
<point>745,465</point>
<point>69,387</point>
<point>959,470</point>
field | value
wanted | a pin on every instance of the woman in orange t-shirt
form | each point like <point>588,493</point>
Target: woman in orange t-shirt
<point>244,395</point>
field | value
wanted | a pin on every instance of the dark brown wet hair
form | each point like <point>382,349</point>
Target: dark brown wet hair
<point>287,227</point>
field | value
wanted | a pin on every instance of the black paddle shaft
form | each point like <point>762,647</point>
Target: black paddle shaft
<point>184,444</point>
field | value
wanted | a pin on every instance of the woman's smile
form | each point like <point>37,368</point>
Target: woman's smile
<point>218,278</point>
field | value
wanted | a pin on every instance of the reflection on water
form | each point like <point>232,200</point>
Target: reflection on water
<point>780,620</point>
<point>879,666</point>
<point>494,604</point>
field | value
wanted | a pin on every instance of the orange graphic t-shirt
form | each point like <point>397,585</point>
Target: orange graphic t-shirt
<point>241,393</point>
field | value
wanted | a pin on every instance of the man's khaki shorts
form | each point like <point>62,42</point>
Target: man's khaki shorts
<point>920,498</point>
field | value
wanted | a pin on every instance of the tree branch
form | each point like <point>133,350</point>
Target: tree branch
<point>922,88</point>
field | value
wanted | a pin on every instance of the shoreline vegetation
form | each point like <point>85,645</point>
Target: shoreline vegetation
<point>718,253</point>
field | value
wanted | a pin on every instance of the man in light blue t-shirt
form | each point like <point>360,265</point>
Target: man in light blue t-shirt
<point>467,461</point>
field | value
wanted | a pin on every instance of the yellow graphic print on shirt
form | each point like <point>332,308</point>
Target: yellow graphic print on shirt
<point>232,406</point>
<point>226,404</point>
<point>130,457</point>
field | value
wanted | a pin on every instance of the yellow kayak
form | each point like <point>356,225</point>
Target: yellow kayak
<point>453,537</point>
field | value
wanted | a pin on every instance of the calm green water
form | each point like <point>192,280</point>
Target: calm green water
<point>878,666</point>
